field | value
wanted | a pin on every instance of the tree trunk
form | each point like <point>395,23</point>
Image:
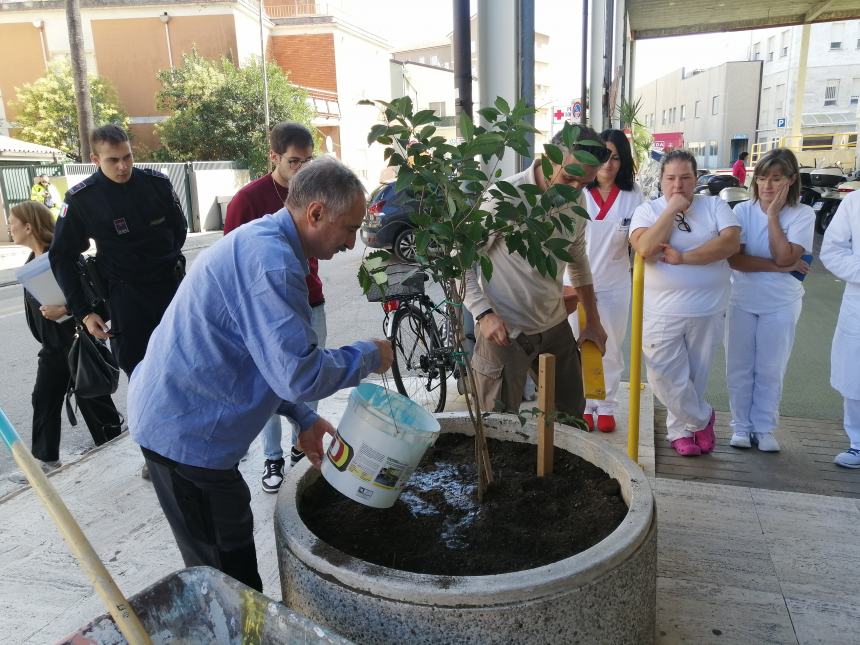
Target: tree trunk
<point>79,72</point>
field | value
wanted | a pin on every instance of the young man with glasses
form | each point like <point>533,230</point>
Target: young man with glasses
<point>685,240</point>
<point>291,145</point>
<point>520,313</point>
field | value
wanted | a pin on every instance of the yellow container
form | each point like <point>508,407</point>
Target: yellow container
<point>592,364</point>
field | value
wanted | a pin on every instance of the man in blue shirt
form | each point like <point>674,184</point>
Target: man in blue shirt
<point>234,347</point>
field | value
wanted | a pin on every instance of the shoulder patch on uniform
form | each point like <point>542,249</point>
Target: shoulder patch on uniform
<point>64,208</point>
<point>89,181</point>
<point>155,173</point>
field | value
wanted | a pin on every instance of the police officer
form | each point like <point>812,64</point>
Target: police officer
<point>139,229</point>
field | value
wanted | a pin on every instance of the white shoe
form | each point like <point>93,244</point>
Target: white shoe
<point>766,441</point>
<point>47,467</point>
<point>848,459</point>
<point>740,440</point>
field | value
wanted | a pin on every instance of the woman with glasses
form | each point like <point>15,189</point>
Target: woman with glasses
<point>765,302</point>
<point>610,201</point>
<point>685,240</point>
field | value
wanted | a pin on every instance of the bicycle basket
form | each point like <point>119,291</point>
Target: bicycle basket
<point>403,281</point>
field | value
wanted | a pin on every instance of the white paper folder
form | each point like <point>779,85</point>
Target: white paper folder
<point>37,278</point>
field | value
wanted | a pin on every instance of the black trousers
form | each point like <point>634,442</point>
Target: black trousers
<point>209,512</point>
<point>52,379</point>
<point>136,310</point>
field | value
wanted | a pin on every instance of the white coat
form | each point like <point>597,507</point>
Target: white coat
<point>840,253</point>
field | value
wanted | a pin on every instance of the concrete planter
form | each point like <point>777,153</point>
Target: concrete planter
<point>606,594</point>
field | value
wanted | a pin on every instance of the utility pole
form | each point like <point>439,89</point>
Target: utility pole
<point>462,58</point>
<point>265,75</point>
<point>79,73</point>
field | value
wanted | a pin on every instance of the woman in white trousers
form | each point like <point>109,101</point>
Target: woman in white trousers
<point>765,302</point>
<point>610,201</point>
<point>840,253</point>
<point>685,240</point>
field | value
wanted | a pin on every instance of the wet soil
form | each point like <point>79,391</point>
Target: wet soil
<point>438,527</point>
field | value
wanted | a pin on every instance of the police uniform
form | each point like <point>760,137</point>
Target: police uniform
<point>139,229</point>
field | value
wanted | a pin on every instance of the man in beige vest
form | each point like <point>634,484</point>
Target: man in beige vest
<point>520,314</point>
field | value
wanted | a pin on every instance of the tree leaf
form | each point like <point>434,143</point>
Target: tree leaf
<point>502,105</point>
<point>546,167</point>
<point>585,157</point>
<point>376,130</point>
<point>554,153</point>
<point>507,188</point>
<point>486,267</point>
<point>574,170</point>
<point>489,113</point>
<point>467,127</point>
<point>424,116</point>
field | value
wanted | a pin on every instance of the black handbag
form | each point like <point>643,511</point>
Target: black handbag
<point>92,367</point>
<point>93,285</point>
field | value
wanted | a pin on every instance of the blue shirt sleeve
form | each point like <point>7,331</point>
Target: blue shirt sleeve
<point>298,412</point>
<point>274,320</point>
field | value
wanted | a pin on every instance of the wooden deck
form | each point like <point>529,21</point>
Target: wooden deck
<point>804,465</point>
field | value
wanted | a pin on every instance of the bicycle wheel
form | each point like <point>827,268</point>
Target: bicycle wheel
<point>419,374</point>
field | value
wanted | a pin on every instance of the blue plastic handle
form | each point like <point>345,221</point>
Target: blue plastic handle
<point>7,431</point>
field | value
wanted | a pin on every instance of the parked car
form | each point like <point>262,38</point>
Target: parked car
<point>388,223</point>
<point>818,188</point>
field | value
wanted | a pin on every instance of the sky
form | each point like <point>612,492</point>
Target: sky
<point>409,22</point>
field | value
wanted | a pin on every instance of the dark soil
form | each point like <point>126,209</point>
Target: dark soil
<point>438,527</point>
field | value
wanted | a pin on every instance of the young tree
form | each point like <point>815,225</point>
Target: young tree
<point>218,110</point>
<point>47,112</point>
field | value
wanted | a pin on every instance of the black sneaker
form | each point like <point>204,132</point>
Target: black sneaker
<point>295,456</point>
<point>273,475</point>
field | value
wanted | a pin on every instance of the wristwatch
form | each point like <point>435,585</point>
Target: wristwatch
<point>482,314</point>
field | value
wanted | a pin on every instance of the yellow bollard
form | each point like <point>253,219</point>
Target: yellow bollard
<point>123,614</point>
<point>635,357</point>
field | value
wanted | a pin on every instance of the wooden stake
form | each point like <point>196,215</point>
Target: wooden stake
<point>546,403</point>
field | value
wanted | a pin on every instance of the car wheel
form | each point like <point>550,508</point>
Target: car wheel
<point>824,218</point>
<point>404,245</point>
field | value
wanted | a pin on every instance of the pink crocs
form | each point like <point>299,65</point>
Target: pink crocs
<point>705,438</point>
<point>686,447</point>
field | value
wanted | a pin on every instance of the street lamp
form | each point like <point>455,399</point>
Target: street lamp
<point>164,18</point>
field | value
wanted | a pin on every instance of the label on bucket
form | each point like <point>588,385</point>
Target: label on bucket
<point>367,464</point>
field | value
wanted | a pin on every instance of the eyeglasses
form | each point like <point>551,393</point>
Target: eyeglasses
<point>296,162</point>
<point>683,224</point>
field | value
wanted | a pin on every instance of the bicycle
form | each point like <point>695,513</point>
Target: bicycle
<point>421,335</point>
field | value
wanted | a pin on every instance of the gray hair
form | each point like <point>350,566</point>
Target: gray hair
<point>325,180</point>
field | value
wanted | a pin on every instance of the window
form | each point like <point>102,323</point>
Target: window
<point>674,113</point>
<point>779,109</point>
<point>698,109</point>
<point>831,92</point>
<point>715,105</point>
<point>855,91</point>
<point>765,106</point>
<point>783,43</point>
<point>756,50</point>
<point>713,148</point>
<point>771,46</point>
<point>837,29</point>
<point>858,43</point>
<point>437,107</point>
<point>683,112</point>
<point>664,118</point>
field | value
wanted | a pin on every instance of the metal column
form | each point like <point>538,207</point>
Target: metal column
<point>799,87</point>
<point>598,29</point>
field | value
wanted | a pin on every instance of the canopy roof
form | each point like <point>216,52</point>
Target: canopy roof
<point>661,18</point>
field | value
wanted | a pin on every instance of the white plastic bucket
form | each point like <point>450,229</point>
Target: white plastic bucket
<point>380,440</point>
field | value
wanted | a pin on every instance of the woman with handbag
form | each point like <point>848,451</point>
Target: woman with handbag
<point>31,225</point>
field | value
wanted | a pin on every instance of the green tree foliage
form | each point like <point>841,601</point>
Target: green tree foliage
<point>47,114</point>
<point>217,110</point>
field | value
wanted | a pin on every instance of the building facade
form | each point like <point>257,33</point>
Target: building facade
<point>831,93</point>
<point>711,112</point>
<point>128,43</point>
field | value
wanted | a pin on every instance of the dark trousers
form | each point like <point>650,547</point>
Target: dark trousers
<point>135,311</point>
<point>209,512</point>
<point>52,379</point>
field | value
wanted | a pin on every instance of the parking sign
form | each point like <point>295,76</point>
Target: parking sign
<point>780,122</point>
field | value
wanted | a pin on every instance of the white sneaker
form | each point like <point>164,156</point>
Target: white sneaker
<point>766,441</point>
<point>47,467</point>
<point>848,459</point>
<point>740,440</point>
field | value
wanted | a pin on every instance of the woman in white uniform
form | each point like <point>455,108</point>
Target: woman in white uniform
<point>840,253</point>
<point>610,201</point>
<point>765,302</point>
<point>685,240</point>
